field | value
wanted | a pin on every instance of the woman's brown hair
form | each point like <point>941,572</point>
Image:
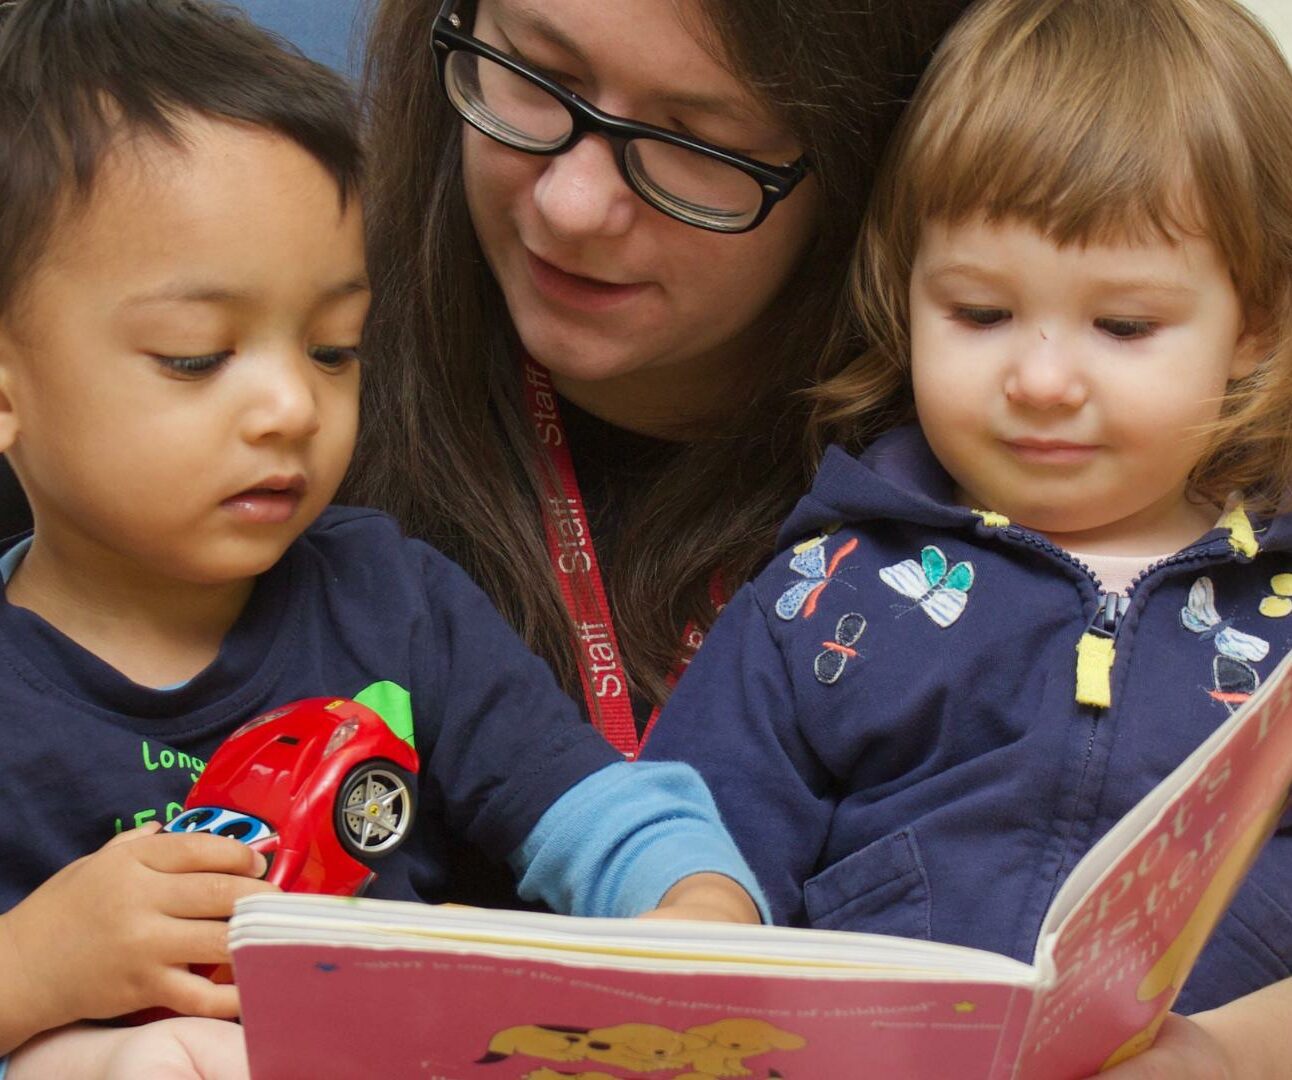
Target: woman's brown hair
<point>1099,121</point>
<point>446,445</point>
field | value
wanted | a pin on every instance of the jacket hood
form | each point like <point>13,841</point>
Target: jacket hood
<point>898,478</point>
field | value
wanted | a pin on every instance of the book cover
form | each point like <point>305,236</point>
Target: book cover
<point>334,986</point>
<point>442,1016</point>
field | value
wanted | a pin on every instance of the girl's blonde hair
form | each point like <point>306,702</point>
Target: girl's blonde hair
<point>1098,120</point>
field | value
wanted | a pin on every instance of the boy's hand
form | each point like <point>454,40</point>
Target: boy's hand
<point>707,897</point>
<point>180,1049</point>
<point>115,931</point>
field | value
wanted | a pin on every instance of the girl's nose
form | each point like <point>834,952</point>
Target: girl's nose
<point>1046,375</point>
<point>580,193</point>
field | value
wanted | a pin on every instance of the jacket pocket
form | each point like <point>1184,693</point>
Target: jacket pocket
<point>881,889</point>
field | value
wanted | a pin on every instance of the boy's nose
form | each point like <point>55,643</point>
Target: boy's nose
<point>1046,375</point>
<point>284,404</point>
<point>580,193</point>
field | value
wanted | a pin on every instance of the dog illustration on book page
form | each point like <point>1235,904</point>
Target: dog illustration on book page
<point>712,1051</point>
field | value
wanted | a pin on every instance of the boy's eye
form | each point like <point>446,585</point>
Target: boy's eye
<point>981,316</point>
<point>334,356</point>
<point>193,365</point>
<point>1126,329</point>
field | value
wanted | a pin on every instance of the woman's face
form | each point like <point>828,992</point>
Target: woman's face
<point>601,287</point>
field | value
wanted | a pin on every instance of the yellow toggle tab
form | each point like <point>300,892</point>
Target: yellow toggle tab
<point>1242,537</point>
<point>1094,670</point>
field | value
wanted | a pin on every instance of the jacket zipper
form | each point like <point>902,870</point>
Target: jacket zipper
<point>1096,651</point>
<point>1097,647</point>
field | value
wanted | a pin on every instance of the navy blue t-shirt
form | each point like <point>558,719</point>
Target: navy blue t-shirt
<point>87,752</point>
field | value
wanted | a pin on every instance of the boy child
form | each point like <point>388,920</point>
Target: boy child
<point>181,304</point>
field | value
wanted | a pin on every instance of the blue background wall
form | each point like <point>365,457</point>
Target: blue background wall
<point>327,30</point>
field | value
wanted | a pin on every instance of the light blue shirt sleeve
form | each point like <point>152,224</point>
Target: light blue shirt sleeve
<point>617,841</point>
<point>4,1066</point>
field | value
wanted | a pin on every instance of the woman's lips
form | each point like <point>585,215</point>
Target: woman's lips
<point>575,291</point>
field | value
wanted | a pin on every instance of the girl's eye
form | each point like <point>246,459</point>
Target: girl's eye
<point>1126,329</point>
<point>981,316</point>
<point>193,365</point>
<point>334,356</point>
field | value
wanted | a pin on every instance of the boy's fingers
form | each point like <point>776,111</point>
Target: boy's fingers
<point>183,853</point>
<point>192,941</point>
<point>196,995</point>
<point>200,895</point>
<point>133,834</point>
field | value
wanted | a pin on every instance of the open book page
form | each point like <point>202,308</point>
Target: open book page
<point>523,997</point>
<point>280,918</point>
<point>1127,926</point>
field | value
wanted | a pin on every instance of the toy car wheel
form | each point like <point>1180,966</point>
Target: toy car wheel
<point>374,809</point>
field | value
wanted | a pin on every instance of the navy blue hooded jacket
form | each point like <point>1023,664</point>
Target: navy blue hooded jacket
<point>888,715</point>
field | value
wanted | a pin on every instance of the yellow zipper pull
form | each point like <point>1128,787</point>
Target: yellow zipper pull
<point>1095,655</point>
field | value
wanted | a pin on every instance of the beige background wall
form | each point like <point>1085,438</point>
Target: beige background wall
<point>1277,15</point>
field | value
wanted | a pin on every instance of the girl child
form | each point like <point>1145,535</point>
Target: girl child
<point>991,634</point>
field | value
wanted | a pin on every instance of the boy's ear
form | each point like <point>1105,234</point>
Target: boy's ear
<point>8,414</point>
<point>1254,344</point>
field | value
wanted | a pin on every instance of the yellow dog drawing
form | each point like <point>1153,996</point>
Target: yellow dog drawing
<point>707,1051</point>
<point>730,1042</point>
<point>538,1040</point>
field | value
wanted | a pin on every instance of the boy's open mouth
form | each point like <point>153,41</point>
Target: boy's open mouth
<point>273,501</point>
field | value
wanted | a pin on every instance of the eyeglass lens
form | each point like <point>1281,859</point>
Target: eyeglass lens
<point>683,183</point>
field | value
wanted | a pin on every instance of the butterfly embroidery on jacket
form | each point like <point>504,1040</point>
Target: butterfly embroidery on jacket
<point>1280,604</point>
<point>940,591</point>
<point>834,657</point>
<point>810,564</point>
<point>1233,678</point>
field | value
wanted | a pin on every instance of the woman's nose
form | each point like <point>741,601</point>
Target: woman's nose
<point>580,193</point>
<point>1046,374</point>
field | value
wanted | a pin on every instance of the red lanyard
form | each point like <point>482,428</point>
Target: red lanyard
<point>574,560</point>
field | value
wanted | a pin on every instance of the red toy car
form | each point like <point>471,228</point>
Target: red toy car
<point>320,787</point>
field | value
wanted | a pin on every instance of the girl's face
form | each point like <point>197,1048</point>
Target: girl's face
<point>1067,387</point>
<point>604,290</point>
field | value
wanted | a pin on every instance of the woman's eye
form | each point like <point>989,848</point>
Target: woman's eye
<point>980,316</point>
<point>564,78</point>
<point>334,356</point>
<point>1126,329</point>
<point>192,365</point>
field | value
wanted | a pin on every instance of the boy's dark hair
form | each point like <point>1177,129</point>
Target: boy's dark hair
<point>77,74</point>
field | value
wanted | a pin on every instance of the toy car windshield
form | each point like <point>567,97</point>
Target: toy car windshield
<point>221,822</point>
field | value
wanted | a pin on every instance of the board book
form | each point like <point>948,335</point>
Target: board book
<point>344,987</point>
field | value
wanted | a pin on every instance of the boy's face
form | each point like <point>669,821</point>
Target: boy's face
<point>1066,387</point>
<point>179,377</point>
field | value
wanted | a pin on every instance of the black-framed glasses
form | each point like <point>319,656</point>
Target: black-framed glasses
<point>687,179</point>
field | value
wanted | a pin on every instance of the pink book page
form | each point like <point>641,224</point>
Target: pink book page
<point>319,1010</point>
<point>1123,953</point>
